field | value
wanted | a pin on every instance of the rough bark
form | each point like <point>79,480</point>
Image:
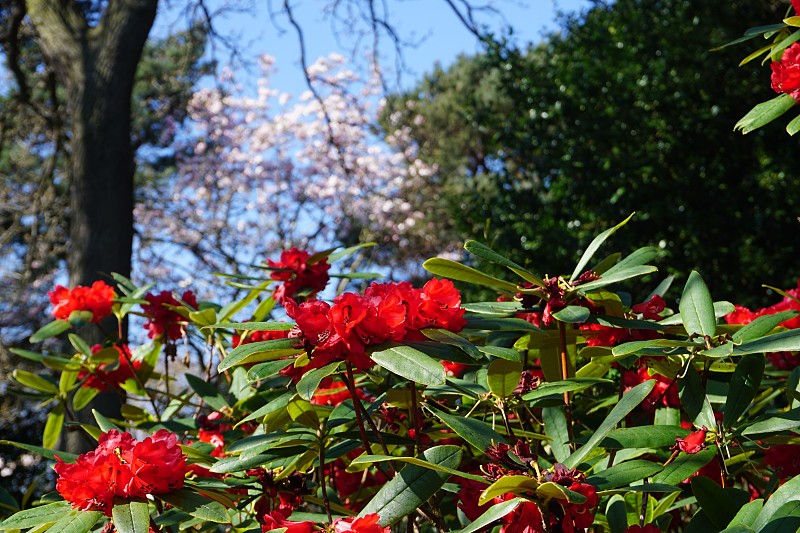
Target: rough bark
<point>96,66</point>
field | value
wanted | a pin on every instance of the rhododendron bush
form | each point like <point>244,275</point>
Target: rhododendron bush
<point>605,400</point>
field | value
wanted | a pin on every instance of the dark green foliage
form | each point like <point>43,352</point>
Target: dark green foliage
<point>625,110</point>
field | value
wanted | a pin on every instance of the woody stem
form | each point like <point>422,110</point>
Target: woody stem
<point>562,334</point>
<point>349,381</point>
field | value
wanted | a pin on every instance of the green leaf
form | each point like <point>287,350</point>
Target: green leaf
<point>254,326</point>
<point>104,423</point>
<point>44,514</point>
<point>208,392</point>
<point>629,401</point>
<point>716,503</point>
<point>56,363</point>
<point>684,466</point>
<point>499,309</point>
<point>555,427</point>
<point>697,308</point>
<point>560,387</point>
<point>35,382</point>
<point>310,381</point>
<point>495,512</point>
<point>450,269</point>
<point>476,432</point>
<point>505,324</point>
<point>761,326</point>
<point>623,474</point>
<point>786,493</point>
<point>267,370</point>
<point>44,452</point>
<point>80,345</point>
<point>694,399</point>
<point>412,486</point>
<point>76,522</point>
<point>131,517</point>
<point>793,126</point>
<point>256,352</point>
<point>503,377</point>
<point>483,251</point>
<point>743,388</point>
<point>643,437</point>
<point>636,258</point>
<point>593,246</point>
<point>616,276</point>
<point>303,413</point>
<point>453,339</point>
<point>196,505</point>
<point>347,252</point>
<point>369,459</point>
<point>616,515</point>
<point>764,113</point>
<point>572,314</point>
<point>785,341</point>
<point>52,428</point>
<point>56,327</point>
<point>411,364</point>
<point>747,515</point>
<point>515,484</point>
<point>775,423</point>
<point>510,354</point>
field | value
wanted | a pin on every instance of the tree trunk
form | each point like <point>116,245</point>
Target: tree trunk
<point>96,66</point>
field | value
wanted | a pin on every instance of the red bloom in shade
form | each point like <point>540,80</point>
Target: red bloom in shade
<point>454,369</point>
<point>277,520</point>
<point>333,393</point>
<point>665,391</point>
<point>693,443</point>
<point>163,321</point>
<point>526,518</point>
<point>96,299</point>
<point>365,524</point>
<point>469,495</point>
<point>786,72</point>
<point>109,376</point>
<point>784,360</point>
<point>651,309</point>
<point>122,467</point>
<point>157,465</point>
<point>297,275</point>
<point>796,6</point>
<point>648,528</point>
<point>581,515</point>
<point>784,459</point>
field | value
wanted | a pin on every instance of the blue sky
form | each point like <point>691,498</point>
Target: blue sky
<point>439,35</point>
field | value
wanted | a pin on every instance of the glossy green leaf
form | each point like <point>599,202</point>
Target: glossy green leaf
<point>56,327</point>
<point>303,413</point>
<point>347,252</point>
<point>684,466</point>
<point>775,423</point>
<point>560,387</point>
<point>572,314</point>
<point>510,354</point>
<point>746,516</point>
<point>761,326</point>
<point>764,113</point>
<point>453,339</point>
<point>79,344</point>
<point>616,515</point>
<point>196,505</point>
<point>76,522</point>
<point>643,437</point>
<point>785,341</point>
<point>786,494</point>
<point>555,427</point>
<point>697,307</point>
<point>53,426</point>
<point>636,258</point>
<point>743,388</point>
<point>412,486</point>
<point>67,381</point>
<point>694,399</point>
<point>131,517</point>
<point>476,432</point>
<point>370,459</point>
<point>483,251</point>
<point>500,309</point>
<point>44,452</point>
<point>503,377</point>
<point>629,401</point>
<point>450,269</point>
<point>616,276</point>
<point>256,352</point>
<point>719,506</point>
<point>593,247</point>
<point>102,422</point>
<point>623,474</point>
<point>793,126</point>
<point>267,370</point>
<point>411,364</point>
<point>208,392</point>
<point>310,381</point>
<point>50,361</point>
<point>254,326</point>
<point>35,381</point>
<point>36,516</point>
<point>515,484</point>
<point>505,324</point>
<point>550,489</point>
<point>494,513</point>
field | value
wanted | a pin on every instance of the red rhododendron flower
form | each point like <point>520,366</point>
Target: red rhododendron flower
<point>163,321</point>
<point>297,275</point>
<point>784,459</point>
<point>581,515</point>
<point>693,443</point>
<point>740,315</point>
<point>796,6</point>
<point>454,369</point>
<point>665,391</point>
<point>277,520</point>
<point>651,309</point>
<point>469,496</point>
<point>365,524</point>
<point>122,467</point>
<point>438,305</point>
<point>786,72</point>
<point>109,376</point>
<point>96,299</point>
<point>333,392</point>
<point>784,360</point>
<point>526,518</point>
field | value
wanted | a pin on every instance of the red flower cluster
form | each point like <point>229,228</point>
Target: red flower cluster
<point>743,315</point>
<point>96,299</point>
<point>599,335</point>
<point>277,520</point>
<point>786,72</point>
<point>386,311</point>
<point>109,376</point>
<point>665,391</point>
<point>299,277</point>
<point>648,528</point>
<point>122,467</point>
<point>163,321</point>
<point>365,524</point>
<point>784,459</point>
